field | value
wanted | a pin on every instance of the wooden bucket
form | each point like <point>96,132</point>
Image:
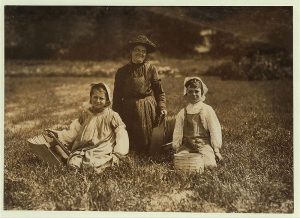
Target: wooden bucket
<point>189,162</point>
<point>162,134</point>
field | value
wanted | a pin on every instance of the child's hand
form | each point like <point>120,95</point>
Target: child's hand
<point>194,147</point>
<point>175,149</point>
<point>115,160</point>
<point>192,144</point>
<point>51,132</point>
<point>218,156</point>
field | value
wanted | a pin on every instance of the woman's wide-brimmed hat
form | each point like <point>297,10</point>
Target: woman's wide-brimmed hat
<point>142,40</point>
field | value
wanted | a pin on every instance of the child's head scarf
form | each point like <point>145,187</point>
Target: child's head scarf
<point>101,86</point>
<point>203,87</point>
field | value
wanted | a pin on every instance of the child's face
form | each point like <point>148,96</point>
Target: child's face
<point>193,95</point>
<point>98,99</point>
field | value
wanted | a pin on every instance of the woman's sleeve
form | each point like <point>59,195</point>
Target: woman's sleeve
<point>178,130</point>
<point>122,141</point>
<point>157,88</point>
<point>117,98</point>
<point>214,128</point>
<point>69,135</point>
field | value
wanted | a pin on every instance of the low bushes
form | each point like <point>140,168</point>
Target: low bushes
<point>255,67</point>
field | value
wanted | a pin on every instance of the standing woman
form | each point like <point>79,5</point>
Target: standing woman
<point>138,94</point>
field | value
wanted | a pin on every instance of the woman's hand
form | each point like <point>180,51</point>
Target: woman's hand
<point>161,116</point>
<point>164,112</point>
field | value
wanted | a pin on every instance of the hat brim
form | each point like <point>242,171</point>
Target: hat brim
<point>150,48</point>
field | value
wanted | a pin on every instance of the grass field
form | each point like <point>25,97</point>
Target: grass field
<point>256,176</point>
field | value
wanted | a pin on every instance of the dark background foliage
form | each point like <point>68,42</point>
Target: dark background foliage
<point>99,33</point>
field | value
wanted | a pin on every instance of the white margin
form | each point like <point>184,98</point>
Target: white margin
<point>90,214</point>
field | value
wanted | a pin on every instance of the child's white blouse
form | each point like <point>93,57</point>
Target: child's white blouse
<point>105,129</point>
<point>209,121</point>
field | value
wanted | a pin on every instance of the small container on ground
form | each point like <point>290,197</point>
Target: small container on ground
<point>189,162</point>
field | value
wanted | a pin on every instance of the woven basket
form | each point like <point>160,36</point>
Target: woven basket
<point>44,150</point>
<point>189,162</point>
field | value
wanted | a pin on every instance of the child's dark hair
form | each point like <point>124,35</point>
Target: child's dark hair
<point>194,83</point>
<point>98,87</point>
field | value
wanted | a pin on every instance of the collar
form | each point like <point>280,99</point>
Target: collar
<point>194,108</point>
<point>136,65</point>
<point>95,111</point>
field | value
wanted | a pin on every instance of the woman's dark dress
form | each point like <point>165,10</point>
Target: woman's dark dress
<point>138,96</point>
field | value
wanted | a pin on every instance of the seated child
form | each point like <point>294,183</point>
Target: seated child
<point>98,138</point>
<point>197,128</point>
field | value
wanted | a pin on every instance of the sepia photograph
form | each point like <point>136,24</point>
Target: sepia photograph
<point>149,109</point>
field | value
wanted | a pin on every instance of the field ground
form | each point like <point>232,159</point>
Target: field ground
<point>256,176</point>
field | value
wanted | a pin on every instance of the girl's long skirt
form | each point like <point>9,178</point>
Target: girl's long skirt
<point>139,116</point>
